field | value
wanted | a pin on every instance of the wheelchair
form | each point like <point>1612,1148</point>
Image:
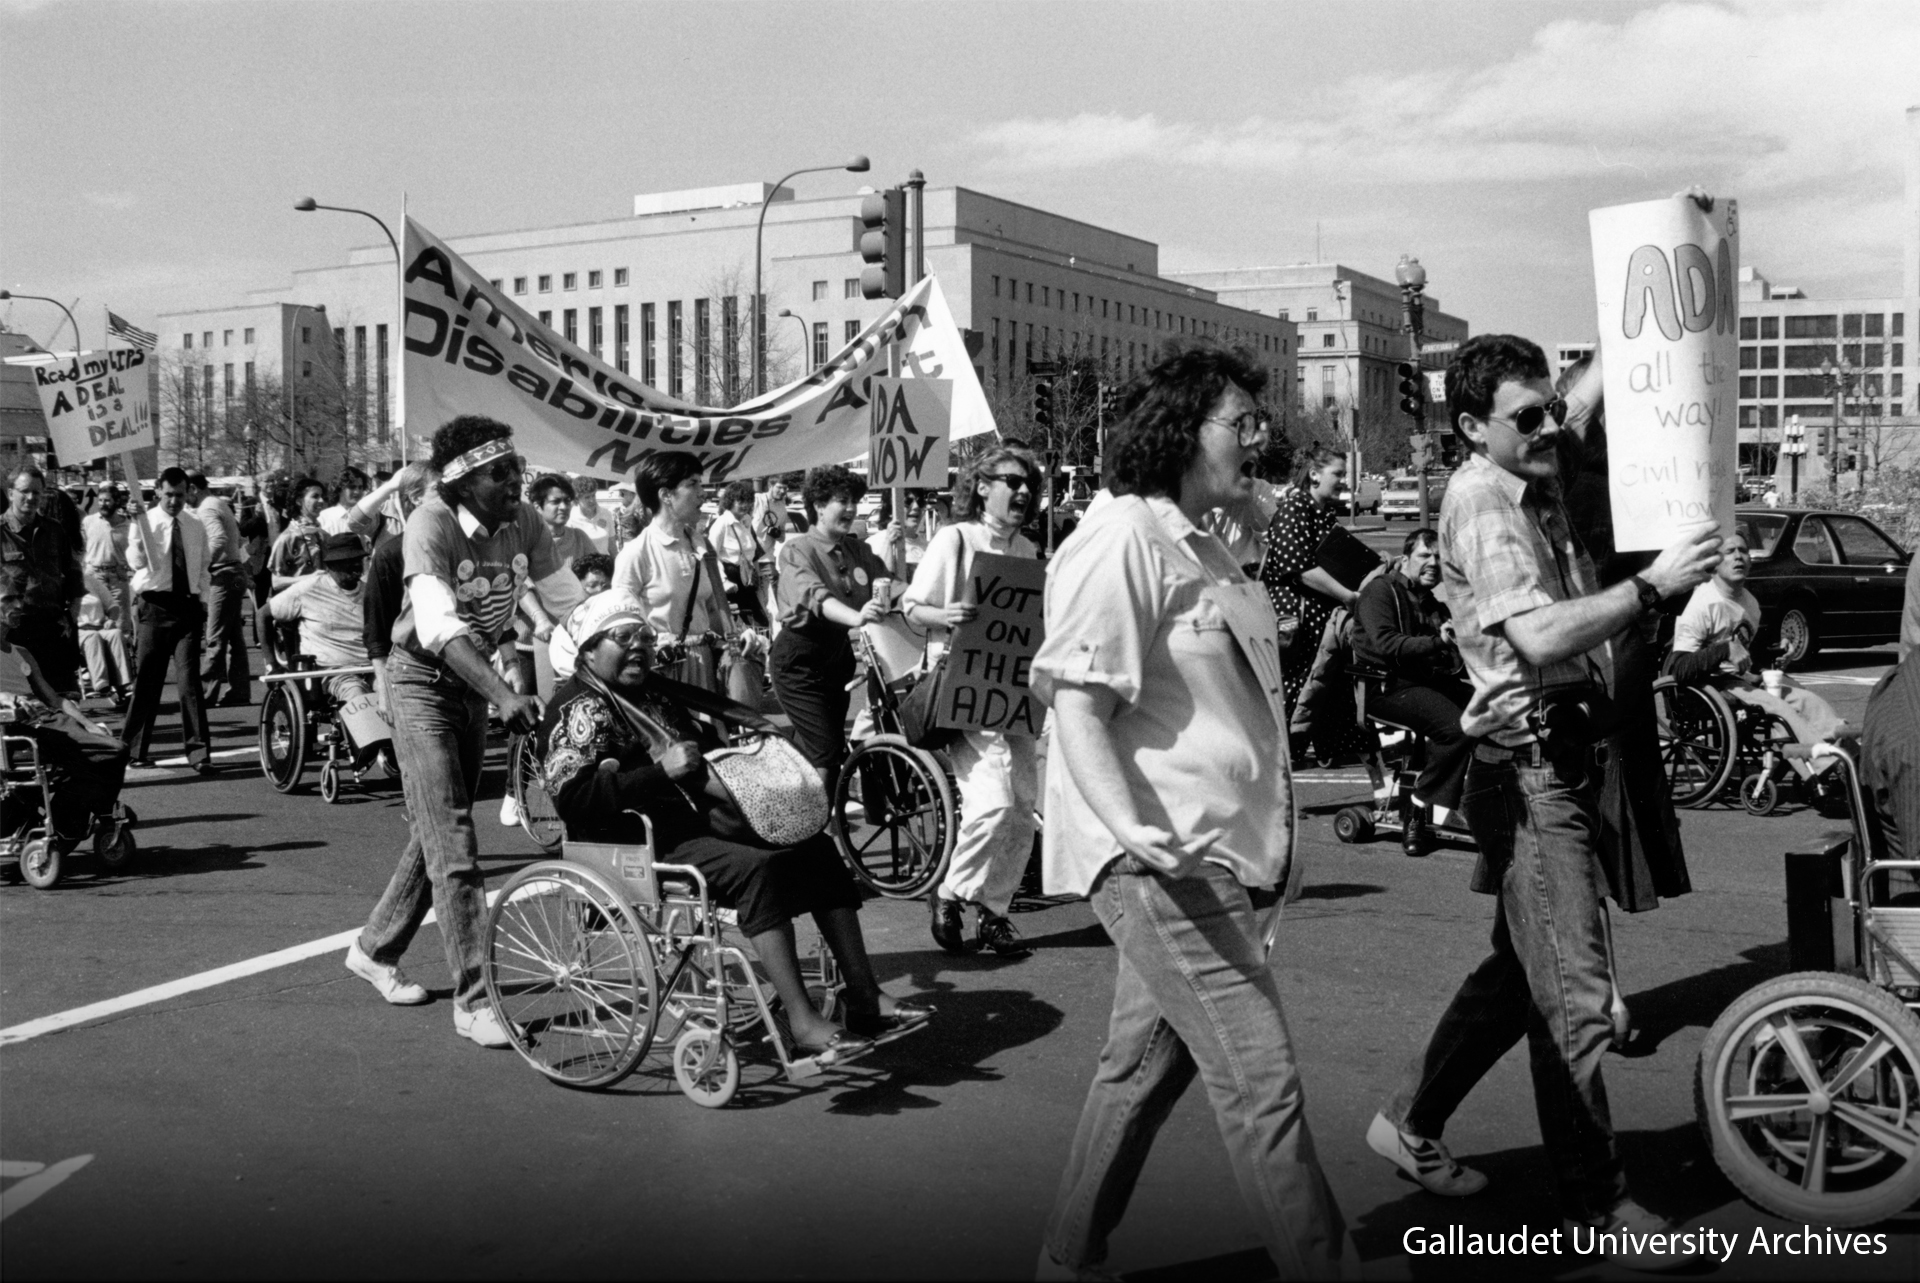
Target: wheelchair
<point>894,817</point>
<point>300,720</point>
<point>594,958</point>
<point>1708,740</point>
<point>1808,1085</point>
<point>1395,763</point>
<point>27,838</point>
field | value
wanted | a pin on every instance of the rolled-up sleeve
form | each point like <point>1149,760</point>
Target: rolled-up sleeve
<point>436,615</point>
<point>1505,566</point>
<point>801,587</point>
<point>1105,602</point>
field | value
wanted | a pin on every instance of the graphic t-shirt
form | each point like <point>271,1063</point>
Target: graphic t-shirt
<point>486,571</point>
<point>1715,614</point>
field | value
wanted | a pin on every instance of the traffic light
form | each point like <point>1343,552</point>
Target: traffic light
<point>1109,403</point>
<point>883,245</point>
<point>1413,391</point>
<point>1043,405</point>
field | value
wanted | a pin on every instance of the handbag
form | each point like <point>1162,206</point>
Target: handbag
<point>775,789</point>
<point>919,706</point>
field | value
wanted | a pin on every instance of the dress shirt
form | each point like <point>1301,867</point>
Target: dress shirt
<point>157,575</point>
<point>663,571</point>
<point>224,547</point>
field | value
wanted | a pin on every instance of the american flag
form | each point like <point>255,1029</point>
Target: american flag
<point>119,328</point>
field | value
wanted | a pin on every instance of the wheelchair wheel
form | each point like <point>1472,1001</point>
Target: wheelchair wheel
<point>538,818</point>
<point>1759,794</point>
<point>894,817</point>
<point>40,863</point>
<point>706,1066</point>
<point>1353,824</point>
<point>1699,740</point>
<point>117,850</point>
<point>570,969</point>
<point>329,783</point>
<point>1809,1094</point>
<point>284,736</point>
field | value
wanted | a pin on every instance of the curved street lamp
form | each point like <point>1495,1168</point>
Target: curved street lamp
<point>806,331</point>
<point>42,298</point>
<point>307,205</point>
<point>858,165</point>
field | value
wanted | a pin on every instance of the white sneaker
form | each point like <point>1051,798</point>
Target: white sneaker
<point>393,986</point>
<point>1427,1161</point>
<point>509,811</point>
<point>481,1026</point>
<point>1621,1236</point>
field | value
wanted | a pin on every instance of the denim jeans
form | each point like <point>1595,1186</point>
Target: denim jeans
<point>1195,995</point>
<point>1546,978</point>
<point>440,730</point>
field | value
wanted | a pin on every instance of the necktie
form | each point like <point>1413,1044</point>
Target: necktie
<point>181,583</point>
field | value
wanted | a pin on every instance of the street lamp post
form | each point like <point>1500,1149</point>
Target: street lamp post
<point>806,332</point>
<point>307,205</point>
<point>1793,444</point>
<point>1840,383</point>
<point>858,165</point>
<point>1413,309</point>
<point>42,298</point>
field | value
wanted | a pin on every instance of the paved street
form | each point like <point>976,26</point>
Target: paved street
<point>287,1123</point>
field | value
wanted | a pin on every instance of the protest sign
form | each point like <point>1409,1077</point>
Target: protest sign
<point>907,441</point>
<point>96,403</point>
<point>1664,275</point>
<point>470,349</point>
<point>985,685</point>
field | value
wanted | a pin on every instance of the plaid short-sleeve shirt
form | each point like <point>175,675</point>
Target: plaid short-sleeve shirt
<point>1507,547</point>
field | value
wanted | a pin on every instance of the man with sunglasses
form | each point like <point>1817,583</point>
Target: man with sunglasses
<point>1533,627</point>
<point>470,552</point>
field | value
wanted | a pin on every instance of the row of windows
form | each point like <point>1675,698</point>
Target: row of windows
<point>1808,356</point>
<point>1768,386</point>
<point>1772,416</point>
<point>543,282</point>
<point>1852,325</point>
<point>1134,314</point>
<point>226,338</point>
<point>849,288</point>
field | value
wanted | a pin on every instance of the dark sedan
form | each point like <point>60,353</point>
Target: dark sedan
<point>1823,579</point>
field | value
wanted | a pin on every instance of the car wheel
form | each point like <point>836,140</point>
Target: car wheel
<point>1799,638</point>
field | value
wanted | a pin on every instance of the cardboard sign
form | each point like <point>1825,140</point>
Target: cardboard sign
<point>364,723</point>
<point>985,685</point>
<point>1665,276</point>
<point>96,403</point>
<point>907,432</point>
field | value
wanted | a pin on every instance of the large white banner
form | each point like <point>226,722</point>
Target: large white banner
<point>470,349</point>
<point>96,403</point>
<point>1665,275</point>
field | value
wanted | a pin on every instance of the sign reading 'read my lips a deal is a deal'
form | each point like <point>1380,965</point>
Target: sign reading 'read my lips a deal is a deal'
<point>96,403</point>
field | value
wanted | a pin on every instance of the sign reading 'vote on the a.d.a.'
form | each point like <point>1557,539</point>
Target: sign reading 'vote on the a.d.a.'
<point>96,403</point>
<point>907,437</point>
<point>985,686</point>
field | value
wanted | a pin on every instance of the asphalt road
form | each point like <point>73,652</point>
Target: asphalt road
<point>289,1124</point>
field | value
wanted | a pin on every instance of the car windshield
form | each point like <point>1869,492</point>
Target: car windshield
<point>1762,532</point>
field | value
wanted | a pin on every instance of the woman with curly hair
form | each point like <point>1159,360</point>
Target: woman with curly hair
<point>1297,586</point>
<point>825,584</point>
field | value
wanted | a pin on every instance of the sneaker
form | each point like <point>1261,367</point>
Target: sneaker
<point>1426,1161</point>
<point>509,811</point>
<point>481,1026</point>
<point>1622,1237</point>
<point>997,936</point>
<point>393,986</point>
<point>949,924</point>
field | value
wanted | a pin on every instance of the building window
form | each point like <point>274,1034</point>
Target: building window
<point>851,330</point>
<point>246,374</point>
<point>1769,385</point>
<point>1769,327</point>
<point>595,337</point>
<point>676,331</point>
<point>620,337</point>
<point>226,338</point>
<point>593,280</point>
<point>1749,358</point>
<point>360,381</point>
<point>1326,340</point>
<point>1850,325</point>
<point>497,282</point>
<point>1769,358</point>
<point>1313,314</point>
<point>206,339</point>
<point>1876,325</point>
<point>819,344</point>
<point>1899,353</point>
<point>546,284</point>
<point>850,288</point>
<point>619,276</point>
<point>996,287</point>
<point>380,364</point>
<point>227,384</point>
<point>340,340</point>
<point>570,324</point>
<point>1748,389</point>
<point>519,285</point>
<point>1808,356</point>
<point>569,280</point>
<point>1875,355</point>
<point>306,369</point>
<point>1749,327</point>
<point>730,349</point>
<point>1812,327</point>
<point>702,351</point>
<point>649,367</point>
<point>1076,301</point>
<point>186,342</point>
<point>248,332</point>
<point>1899,328</point>
<point>546,318</point>
<point>1029,293</point>
<point>819,291</point>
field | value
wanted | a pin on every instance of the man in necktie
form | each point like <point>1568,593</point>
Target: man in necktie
<point>170,565</point>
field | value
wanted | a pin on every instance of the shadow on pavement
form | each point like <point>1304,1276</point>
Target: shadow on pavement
<point>1339,890</point>
<point>1699,1000</point>
<point>161,821</point>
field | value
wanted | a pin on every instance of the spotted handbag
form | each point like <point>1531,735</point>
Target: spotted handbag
<point>773,787</point>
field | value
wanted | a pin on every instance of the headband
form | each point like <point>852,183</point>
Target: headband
<point>486,452</point>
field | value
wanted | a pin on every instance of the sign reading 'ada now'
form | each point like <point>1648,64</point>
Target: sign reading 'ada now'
<point>907,439</point>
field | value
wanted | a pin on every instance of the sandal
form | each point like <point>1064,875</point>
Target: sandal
<point>872,1024</point>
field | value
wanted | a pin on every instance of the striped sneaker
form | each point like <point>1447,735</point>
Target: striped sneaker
<point>1426,1161</point>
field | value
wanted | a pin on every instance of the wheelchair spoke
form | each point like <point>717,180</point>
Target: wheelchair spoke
<point>1742,1108</point>
<point>1813,1177</point>
<point>1861,1060</point>
<point>1899,1140</point>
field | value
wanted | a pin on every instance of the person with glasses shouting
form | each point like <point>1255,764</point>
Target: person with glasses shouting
<point>470,552</point>
<point>1533,627</point>
<point>998,773</point>
<point>36,545</point>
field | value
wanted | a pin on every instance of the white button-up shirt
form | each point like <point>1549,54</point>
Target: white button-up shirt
<point>156,575</point>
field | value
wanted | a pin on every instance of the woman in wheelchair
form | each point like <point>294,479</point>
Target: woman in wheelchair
<point>619,738</point>
<point>1712,641</point>
<point>86,765</point>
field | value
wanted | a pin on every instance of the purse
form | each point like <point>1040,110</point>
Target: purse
<point>919,706</point>
<point>773,787</point>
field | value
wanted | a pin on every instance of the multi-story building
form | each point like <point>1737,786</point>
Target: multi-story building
<point>663,294</point>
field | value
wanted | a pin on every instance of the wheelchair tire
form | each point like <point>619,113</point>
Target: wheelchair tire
<point>714,1085</point>
<point>1837,1150</point>
<point>539,819</point>
<point>40,863</point>
<point>285,733</point>
<point>570,970</point>
<point>894,817</point>
<point>1699,741</point>
<point>118,850</point>
<point>329,783</point>
<point>1759,794</point>
<point>1353,824</point>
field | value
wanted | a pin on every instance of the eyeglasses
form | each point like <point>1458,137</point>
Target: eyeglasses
<point>1527,421</point>
<point>501,472</point>
<point>1249,427</point>
<point>1012,480</point>
<point>626,638</point>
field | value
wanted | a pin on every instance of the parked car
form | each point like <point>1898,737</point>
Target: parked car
<point>1822,579</point>
<point>1362,498</point>
<point>1402,497</point>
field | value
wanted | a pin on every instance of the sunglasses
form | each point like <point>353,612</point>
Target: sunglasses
<point>626,638</point>
<point>1013,480</point>
<point>501,472</point>
<point>1527,421</point>
<point>1248,427</point>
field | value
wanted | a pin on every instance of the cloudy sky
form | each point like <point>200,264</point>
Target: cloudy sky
<point>152,152</point>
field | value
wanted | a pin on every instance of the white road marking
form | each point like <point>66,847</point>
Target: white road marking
<point>1317,777</point>
<point>15,1197</point>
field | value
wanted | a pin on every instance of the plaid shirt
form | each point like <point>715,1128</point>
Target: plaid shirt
<point>1507,547</point>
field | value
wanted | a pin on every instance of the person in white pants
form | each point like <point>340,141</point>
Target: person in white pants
<point>998,774</point>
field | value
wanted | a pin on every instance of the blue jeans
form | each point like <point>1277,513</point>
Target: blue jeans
<point>1195,995</point>
<point>1547,977</point>
<point>440,730</point>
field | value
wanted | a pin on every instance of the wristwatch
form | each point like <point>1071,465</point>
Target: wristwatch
<point>1649,595</point>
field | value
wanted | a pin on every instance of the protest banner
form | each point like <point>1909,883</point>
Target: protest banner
<point>907,438</point>
<point>96,403</point>
<point>1664,277</point>
<point>470,349</point>
<point>985,684</point>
